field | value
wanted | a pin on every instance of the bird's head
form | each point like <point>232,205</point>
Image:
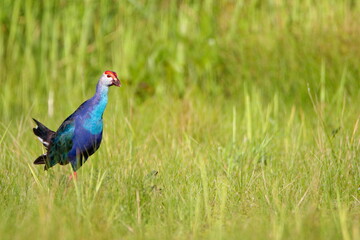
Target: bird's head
<point>110,78</point>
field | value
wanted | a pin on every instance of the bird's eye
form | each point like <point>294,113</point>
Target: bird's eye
<point>108,76</point>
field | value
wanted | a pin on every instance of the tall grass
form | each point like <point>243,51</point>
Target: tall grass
<point>236,119</point>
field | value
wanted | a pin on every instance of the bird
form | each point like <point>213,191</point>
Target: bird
<point>80,135</point>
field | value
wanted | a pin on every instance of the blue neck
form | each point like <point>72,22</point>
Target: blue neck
<point>94,123</point>
<point>100,101</point>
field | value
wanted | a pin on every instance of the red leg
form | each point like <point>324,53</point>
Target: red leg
<point>73,175</point>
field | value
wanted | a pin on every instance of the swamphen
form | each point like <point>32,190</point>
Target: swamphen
<point>79,136</point>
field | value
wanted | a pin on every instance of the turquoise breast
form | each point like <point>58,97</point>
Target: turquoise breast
<point>94,122</point>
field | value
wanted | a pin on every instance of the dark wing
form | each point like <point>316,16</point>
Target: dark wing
<point>61,144</point>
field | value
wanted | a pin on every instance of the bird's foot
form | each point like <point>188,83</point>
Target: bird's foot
<point>73,176</point>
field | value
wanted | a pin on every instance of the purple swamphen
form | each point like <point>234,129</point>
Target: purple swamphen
<point>79,136</point>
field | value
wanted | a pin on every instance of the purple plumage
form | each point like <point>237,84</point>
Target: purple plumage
<point>80,135</point>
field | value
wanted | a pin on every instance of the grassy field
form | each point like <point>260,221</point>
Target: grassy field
<point>247,110</point>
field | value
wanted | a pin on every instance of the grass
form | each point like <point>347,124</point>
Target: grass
<point>246,110</point>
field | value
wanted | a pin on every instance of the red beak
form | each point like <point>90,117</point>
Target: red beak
<point>116,82</point>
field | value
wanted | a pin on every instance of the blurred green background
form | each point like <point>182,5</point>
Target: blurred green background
<point>176,47</point>
<point>248,109</point>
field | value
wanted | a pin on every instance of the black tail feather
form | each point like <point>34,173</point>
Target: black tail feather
<point>41,131</point>
<point>44,134</point>
<point>41,159</point>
